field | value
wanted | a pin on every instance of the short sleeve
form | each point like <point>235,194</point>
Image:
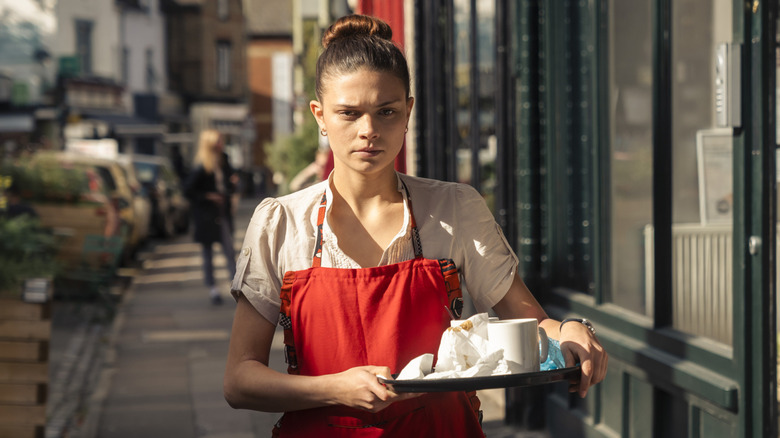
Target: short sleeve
<point>489,264</point>
<point>257,266</point>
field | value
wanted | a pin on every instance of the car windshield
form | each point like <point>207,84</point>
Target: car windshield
<point>105,173</point>
<point>146,172</point>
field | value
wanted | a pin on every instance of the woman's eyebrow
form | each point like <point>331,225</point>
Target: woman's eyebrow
<point>390,102</point>
<point>351,106</point>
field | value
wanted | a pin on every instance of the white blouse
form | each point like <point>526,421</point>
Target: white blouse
<point>453,220</point>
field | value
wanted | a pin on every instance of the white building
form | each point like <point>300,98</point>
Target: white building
<point>89,30</point>
<point>26,75</point>
<point>143,52</point>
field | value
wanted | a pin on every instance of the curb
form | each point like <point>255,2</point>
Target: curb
<point>100,390</point>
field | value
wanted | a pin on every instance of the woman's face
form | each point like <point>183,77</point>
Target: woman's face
<point>219,145</point>
<point>365,115</point>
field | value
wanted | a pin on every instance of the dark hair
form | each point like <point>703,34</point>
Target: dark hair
<point>360,41</point>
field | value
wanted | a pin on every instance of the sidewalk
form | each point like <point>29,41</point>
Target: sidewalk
<point>156,370</point>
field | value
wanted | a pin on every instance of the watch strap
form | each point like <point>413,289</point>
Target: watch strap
<point>582,321</point>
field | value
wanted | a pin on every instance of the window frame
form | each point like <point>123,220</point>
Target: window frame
<point>223,64</point>
<point>84,30</point>
<point>223,9</point>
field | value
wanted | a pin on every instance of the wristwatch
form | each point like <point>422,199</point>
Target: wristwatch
<point>582,321</point>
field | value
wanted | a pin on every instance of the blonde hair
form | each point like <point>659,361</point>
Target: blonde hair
<point>207,154</point>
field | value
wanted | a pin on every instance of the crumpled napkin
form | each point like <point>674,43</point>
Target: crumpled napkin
<point>464,351</point>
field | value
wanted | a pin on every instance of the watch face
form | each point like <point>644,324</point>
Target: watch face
<point>589,326</point>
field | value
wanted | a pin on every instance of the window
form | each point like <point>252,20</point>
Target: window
<point>223,65</point>
<point>223,9</point>
<point>701,167</point>
<point>84,45</point>
<point>463,95</point>
<point>151,75</point>
<point>631,146</point>
<point>484,101</point>
<point>126,65</point>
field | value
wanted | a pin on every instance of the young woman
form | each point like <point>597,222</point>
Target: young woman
<point>210,189</point>
<point>354,268</point>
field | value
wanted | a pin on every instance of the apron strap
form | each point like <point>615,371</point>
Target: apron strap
<point>290,357</point>
<point>416,242</point>
<point>452,283</point>
<point>316,261</point>
<point>317,257</point>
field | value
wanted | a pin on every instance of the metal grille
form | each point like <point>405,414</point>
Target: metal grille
<point>701,279</point>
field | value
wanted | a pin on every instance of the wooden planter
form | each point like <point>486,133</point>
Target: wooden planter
<point>25,329</point>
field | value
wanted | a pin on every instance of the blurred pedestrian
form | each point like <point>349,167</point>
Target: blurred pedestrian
<point>210,188</point>
<point>313,173</point>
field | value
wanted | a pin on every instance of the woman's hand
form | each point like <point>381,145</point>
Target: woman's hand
<point>250,384</point>
<point>359,388</point>
<point>579,345</point>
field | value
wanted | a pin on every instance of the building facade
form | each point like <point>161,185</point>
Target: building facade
<point>144,70</point>
<point>270,62</point>
<point>627,148</point>
<point>207,68</point>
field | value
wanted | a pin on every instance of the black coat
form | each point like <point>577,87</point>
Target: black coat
<point>206,214</point>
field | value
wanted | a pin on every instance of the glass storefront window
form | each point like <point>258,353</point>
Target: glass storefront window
<point>701,171</point>
<point>631,137</point>
<point>486,77</point>
<point>462,49</point>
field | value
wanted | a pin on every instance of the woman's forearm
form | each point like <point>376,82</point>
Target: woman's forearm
<point>252,385</point>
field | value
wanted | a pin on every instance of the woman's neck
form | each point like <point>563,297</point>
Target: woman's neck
<point>367,213</point>
<point>361,191</point>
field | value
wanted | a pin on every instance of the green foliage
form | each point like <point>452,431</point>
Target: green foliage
<point>46,180</point>
<point>289,155</point>
<point>26,251</point>
<point>311,51</point>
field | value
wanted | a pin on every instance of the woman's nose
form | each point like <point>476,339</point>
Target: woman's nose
<point>368,130</point>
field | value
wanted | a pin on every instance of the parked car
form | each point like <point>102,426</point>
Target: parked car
<point>117,187</point>
<point>72,200</point>
<point>142,203</point>
<point>170,208</point>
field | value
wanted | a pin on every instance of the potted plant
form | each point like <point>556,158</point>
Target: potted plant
<point>26,269</point>
<point>26,251</point>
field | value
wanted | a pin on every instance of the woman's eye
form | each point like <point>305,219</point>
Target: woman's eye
<point>349,113</point>
<point>387,112</point>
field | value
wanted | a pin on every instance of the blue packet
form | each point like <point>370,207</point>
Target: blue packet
<point>554,356</point>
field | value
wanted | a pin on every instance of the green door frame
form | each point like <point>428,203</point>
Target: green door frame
<point>712,389</point>
<point>755,218</point>
<point>720,387</point>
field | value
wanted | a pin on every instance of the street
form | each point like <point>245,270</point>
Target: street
<point>164,356</point>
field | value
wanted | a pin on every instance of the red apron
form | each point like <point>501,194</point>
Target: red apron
<point>336,319</point>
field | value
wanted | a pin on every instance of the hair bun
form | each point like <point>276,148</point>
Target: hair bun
<point>356,26</point>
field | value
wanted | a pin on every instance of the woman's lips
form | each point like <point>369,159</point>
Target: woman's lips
<point>368,152</point>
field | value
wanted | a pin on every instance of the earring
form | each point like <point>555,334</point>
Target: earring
<point>406,130</point>
<point>323,132</point>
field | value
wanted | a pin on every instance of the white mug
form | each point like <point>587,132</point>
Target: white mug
<point>522,339</point>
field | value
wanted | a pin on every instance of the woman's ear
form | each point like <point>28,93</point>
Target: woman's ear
<point>316,110</point>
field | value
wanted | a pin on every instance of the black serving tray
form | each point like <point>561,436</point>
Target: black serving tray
<point>475,383</point>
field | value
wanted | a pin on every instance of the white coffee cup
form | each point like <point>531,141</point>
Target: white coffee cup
<point>522,339</point>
